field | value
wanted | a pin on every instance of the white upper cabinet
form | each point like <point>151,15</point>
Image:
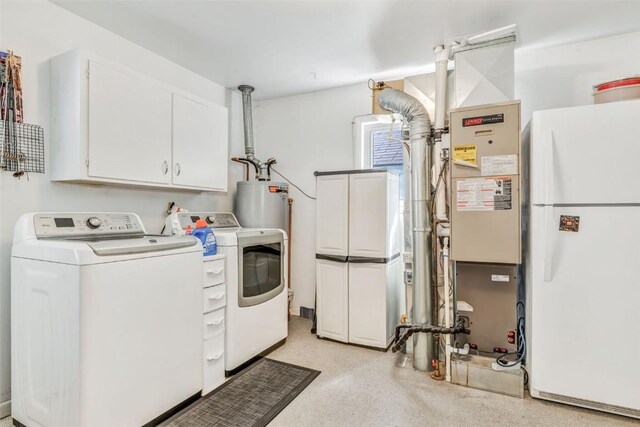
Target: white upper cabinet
<point>129,127</point>
<point>199,144</point>
<point>114,125</point>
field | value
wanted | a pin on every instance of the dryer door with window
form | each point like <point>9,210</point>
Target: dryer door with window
<point>261,266</point>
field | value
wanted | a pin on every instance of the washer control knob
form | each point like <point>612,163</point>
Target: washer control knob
<point>94,222</point>
<point>211,219</point>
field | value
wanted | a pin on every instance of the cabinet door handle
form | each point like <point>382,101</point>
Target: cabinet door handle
<point>217,296</point>
<point>216,271</point>
<point>177,169</point>
<point>215,322</point>
<point>215,356</point>
<point>165,167</point>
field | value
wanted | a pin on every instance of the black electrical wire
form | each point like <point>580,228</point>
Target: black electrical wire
<point>169,209</point>
<point>522,342</point>
<point>286,179</point>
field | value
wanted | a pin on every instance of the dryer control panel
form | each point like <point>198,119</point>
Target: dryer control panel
<point>70,224</point>
<point>213,219</point>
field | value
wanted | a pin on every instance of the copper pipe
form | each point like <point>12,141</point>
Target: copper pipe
<point>289,256</point>
<point>246,167</point>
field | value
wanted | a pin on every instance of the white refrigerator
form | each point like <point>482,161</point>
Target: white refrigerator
<point>583,262</point>
<point>358,262</point>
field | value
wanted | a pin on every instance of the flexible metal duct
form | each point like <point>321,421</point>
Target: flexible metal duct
<point>419,128</point>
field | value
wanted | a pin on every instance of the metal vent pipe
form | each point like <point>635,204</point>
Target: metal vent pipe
<point>247,111</point>
<point>419,129</point>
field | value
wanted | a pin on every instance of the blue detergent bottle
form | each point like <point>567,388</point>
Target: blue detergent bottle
<point>206,236</point>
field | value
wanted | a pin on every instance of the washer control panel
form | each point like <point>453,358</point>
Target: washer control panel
<point>213,219</point>
<point>75,224</point>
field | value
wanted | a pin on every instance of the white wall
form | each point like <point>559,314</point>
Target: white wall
<point>307,133</point>
<point>313,131</point>
<point>563,76</point>
<point>39,30</point>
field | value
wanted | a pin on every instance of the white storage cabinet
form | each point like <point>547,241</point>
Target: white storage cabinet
<point>358,263</point>
<point>213,322</point>
<point>114,125</point>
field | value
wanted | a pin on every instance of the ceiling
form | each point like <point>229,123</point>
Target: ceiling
<point>294,46</point>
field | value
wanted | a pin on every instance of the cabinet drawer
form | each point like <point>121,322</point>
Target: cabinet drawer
<point>213,363</point>
<point>213,324</point>
<point>215,297</point>
<point>213,272</point>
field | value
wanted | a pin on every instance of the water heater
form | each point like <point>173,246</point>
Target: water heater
<point>262,204</point>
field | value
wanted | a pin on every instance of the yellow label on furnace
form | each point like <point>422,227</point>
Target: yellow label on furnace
<point>465,155</point>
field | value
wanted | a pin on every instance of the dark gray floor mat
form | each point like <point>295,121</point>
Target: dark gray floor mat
<point>252,398</point>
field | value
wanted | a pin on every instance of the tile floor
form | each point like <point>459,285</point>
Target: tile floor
<point>361,387</point>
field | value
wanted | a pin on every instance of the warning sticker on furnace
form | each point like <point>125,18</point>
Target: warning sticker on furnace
<point>484,194</point>
<point>465,155</point>
<point>499,165</point>
<point>502,194</point>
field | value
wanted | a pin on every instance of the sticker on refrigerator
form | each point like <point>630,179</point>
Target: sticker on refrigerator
<point>499,277</point>
<point>465,155</point>
<point>499,165</point>
<point>569,223</point>
<point>484,194</point>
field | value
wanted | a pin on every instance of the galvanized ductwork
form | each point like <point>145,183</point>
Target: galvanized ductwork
<point>419,128</point>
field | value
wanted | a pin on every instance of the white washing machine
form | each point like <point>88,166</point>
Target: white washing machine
<point>256,265</point>
<point>106,321</point>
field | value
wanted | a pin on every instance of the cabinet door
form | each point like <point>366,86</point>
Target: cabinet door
<point>332,215</point>
<point>368,304</point>
<point>129,127</point>
<point>332,281</point>
<point>199,144</point>
<point>368,215</point>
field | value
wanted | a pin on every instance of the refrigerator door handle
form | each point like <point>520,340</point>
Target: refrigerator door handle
<point>548,242</point>
<point>549,169</point>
